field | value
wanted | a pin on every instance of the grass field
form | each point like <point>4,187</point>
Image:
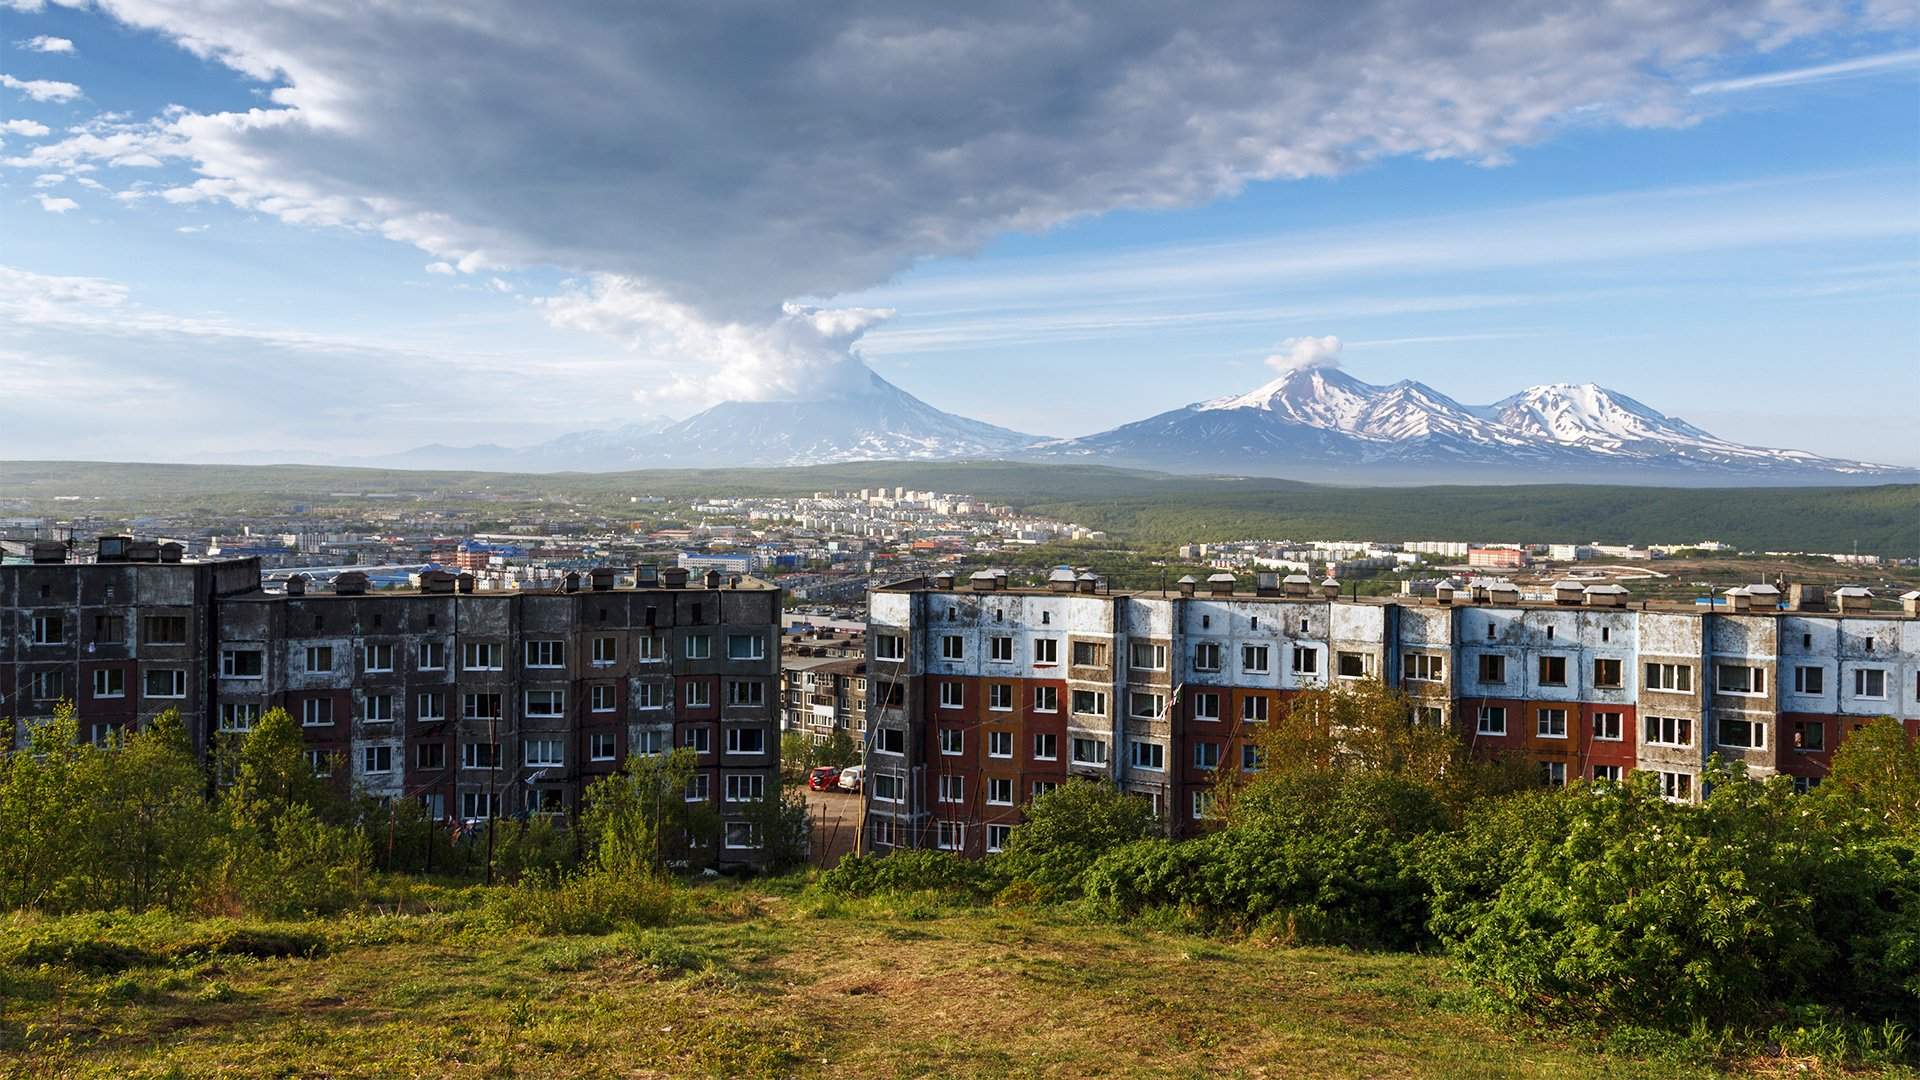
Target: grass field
<point>766,980</point>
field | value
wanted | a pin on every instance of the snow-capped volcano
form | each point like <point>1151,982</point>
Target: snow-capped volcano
<point>1321,423</point>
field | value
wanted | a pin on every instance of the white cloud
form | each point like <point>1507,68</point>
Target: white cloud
<point>1306,354</point>
<point>44,43</point>
<point>49,180</point>
<point>805,353</point>
<point>42,89</point>
<point>56,205</point>
<point>441,268</point>
<point>30,128</point>
<point>191,228</point>
<point>1860,67</point>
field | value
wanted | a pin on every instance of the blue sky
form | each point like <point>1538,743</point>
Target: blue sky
<point>331,233</point>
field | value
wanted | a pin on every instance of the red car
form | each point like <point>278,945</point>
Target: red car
<point>823,778</point>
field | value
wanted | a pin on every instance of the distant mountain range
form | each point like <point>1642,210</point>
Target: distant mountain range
<point>1317,424</point>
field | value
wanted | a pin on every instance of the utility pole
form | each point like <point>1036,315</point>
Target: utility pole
<point>493,740</point>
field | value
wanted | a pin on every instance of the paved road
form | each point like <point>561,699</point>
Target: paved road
<point>836,818</point>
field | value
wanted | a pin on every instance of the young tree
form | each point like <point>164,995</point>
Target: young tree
<point>44,809</point>
<point>638,821</point>
<point>152,818</point>
<point>1071,826</point>
<point>1877,770</point>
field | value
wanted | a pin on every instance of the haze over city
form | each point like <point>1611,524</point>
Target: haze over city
<point>315,232</point>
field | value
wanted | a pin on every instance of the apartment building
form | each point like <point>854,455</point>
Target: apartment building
<point>982,696</point>
<point>476,704</point>
<point>820,695</point>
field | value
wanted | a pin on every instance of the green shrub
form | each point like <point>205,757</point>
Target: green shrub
<point>1070,827</point>
<point>909,871</point>
<point>587,902</point>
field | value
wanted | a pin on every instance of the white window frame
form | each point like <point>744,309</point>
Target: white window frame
<point>555,704</point>
<point>997,784</point>
<point>953,695</point>
<point>370,759</point>
<point>1000,649</point>
<point>1669,678</point>
<point>1667,730</point>
<point>1147,755</point>
<point>310,712</point>
<point>229,669</point>
<point>1424,667</point>
<point>1046,651</point>
<point>1000,744</point>
<point>952,741</point>
<point>953,788</point>
<point>746,647</point>
<point>744,787</point>
<point>606,650</point>
<point>175,692</point>
<point>1544,722</point>
<point>482,656</point>
<point>699,694</point>
<point>377,657</point>
<point>1046,746</point>
<point>603,698</point>
<point>1488,713</point>
<point>545,653</point>
<point>1860,675</point>
<point>1099,746</point>
<point>699,647</point>
<point>999,697</point>
<point>605,745</point>
<point>953,648</point>
<point>380,709</point>
<point>997,837</point>
<point>1617,726</point>
<point>1755,682</point>
<point>951,835</point>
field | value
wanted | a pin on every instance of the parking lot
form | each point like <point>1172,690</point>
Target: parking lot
<point>836,821</point>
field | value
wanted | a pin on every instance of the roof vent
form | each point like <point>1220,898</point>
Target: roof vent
<point>351,583</point>
<point>711,579</point>
<point>1764,597</point>
<point>437,582</point>
<point>1503,592</point>
<point>143,551</point>
<point>1443,590</point>
<point>1330,588</point>
<point>171,552</point>
<point>1854,600</point>
<point>646,576</point>
<point>1221,584</point>
<point>943,580</point>
<point>1296,585</point>
<point>1568,591</point>
<point>674,577</point>
<point>1187,585</point>
<point>601,577</point>
<point>111,549</point>
<point>1910,603</point>
<point>1806,597</point>
<point>297,585</point>
<point>1062,580</point>
<point>1739,599</point>
<point>1087,583</point>
<point>46,552</point>
<point>1266,583</point>
<point>984,581</point>
<point>1606,595</point>
<point>464,583</point>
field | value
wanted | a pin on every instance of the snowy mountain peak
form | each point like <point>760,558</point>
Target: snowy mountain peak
<point>1574,414</point>
<point>1319,396</point>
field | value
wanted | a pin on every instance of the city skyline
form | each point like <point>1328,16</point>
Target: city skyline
<point>538,229</point>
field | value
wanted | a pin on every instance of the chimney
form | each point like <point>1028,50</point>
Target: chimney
<point>1266,583</point>
<point>646,576</point>
<point>1443,591</point>
<point>1568,592</point>
<point>111,549</point>
<point>171,552</point>
<point>943,581</point>
<point>1221,584</point>
<point>1087,583</point>
<point>1854,600</point>
<point>464,583</point>
<point>601,577</point>
<point>436,582</point>
<point>1764,597</point>
<point>711,579</point>
<point>351,583</point>
<point>1740,600</point>
<point>570,582</point>
<point>1330,588</point>
<point>1806,598</point>
<point>674,577</point>
<point>47,552</point>
<point>1910,603</point>
<point>1606,596</point>
<point>297,585</point>
<point>984,581</point>
<point>1187,585</point>
<point>1062,580</point>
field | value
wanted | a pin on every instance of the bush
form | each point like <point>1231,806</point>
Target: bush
<point>594,902</point>
<point>1067,829</point>
<point>909,871</point>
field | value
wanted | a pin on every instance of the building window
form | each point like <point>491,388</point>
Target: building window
<point>1000,697</point>
<point>953,695</point>
<point>238,715</point>
<point>1255,659</point>
<point>109,630</point>
<point>649,696</point>
<point>999,791</point>
<point>1147,755</point>
<point>699,647</point>
<point>746,692</point>
<point>319,659</point>
<point>953,647</point>
<point>1607,726</point>
<point>1305,661</point>
<point>1739,679</point>
<point>1745,734</point>
<point>951,741</point>
<point>601,698</point>
<point>433,656</point>
<point>699,695</point>
<point>606,651</point>
<point>888,787</point>
<point>1809,680</point>
<point>478,805</point>
<point>1000,650</point>
<point>890,740</point>
<point>1676,786</point>
<point>1206,706</point>
<point>1253,710</point>
<point>379,708</point>
<point>164,630</point>
<point>481,655</point>
<point>1675,678</point>
<point>1089,751</point>
<point>321,762</point>
<point>745,787</point>
<point>1669,731</point>
<point>1606,674</point>
<point>1553,773</point>
<point>1000,744</point>
<point>1041,787</point>
<point>997,837</point>
<point>1147,656</point>
<point>1089,654</point>
<point>1046,699</point>
<point>164,683</point>
<point>746,647</point>
<point>646,743</point>
<point>604,745</point>
<point>649,649</point>
<point>1424,667</point>
<point>952,836</point>
<point>1804,784</point>
<point>546,654</point>
<point>1493,668</point>
<point>889,647</point>
<point>546,703</point>
<point>316,712</point>
<point>1046,650</point>
<point>378,657</point>
<point>751,740</point>
<point>430,707</point>
<point>1146,706</point>
<point>49,630</point>
<point>699,740</point>
<point>480,755</point>
<point>109,683</point>
<point>1252,758</point>
<point>1607,772</point>
<point>376,759</point>
<point>697,788</point>
<point>1202,805</point>
<point>953,789</point>
<point>242,664</point>
<point>1493,720</point>
<point>480,707</point>
<point>1553,671</point>
<point>1090,702</point>
<point>1046,747</point>
<point>1206,656</point>
<point>1809,735</point>
<point>1551,724</point>
<point>1352,665</point>
<point>1206,755</point>
<point>432,755</point>
<point>1429,716</point>
<point>1870,682</point>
